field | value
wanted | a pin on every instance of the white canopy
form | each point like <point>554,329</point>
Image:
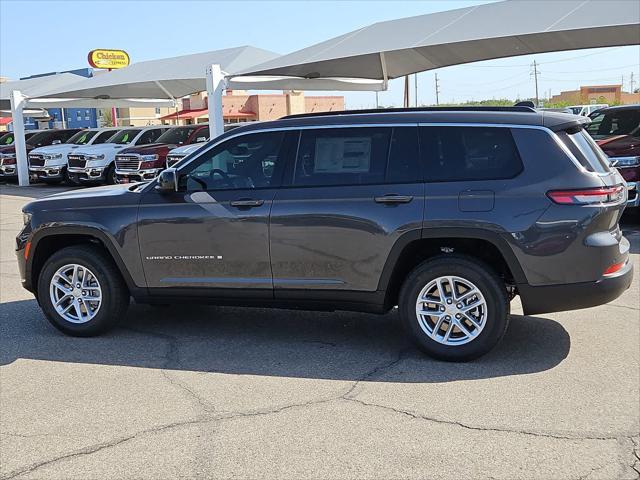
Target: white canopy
<point>396,48</point>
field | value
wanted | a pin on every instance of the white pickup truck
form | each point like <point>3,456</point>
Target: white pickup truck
<point>49,164</point>
<point>95,164</point>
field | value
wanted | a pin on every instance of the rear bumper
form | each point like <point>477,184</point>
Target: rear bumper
<point>574,296</point>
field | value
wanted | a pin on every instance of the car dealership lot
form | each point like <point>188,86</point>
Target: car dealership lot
<point>199,391</point>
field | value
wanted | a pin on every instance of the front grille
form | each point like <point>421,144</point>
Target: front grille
<point>77,161</point>
<point>173,159</point>
<point>127,162</point>
<point>36,160</point>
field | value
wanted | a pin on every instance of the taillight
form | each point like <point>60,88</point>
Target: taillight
<point>588,196</point>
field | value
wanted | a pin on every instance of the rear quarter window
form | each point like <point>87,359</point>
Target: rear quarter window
<point>585,150</point>
<point>453,154</point>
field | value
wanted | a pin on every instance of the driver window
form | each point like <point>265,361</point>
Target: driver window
<point>247,161</point>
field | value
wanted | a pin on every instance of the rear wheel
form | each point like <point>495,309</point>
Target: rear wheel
<point>455,308</point>
<point>81,291</point>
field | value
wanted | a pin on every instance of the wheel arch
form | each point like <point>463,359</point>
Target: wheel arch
<point>417,246</point>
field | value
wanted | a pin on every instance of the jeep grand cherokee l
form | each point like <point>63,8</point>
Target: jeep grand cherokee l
<point>8,165</point>
<point>617,131</point>
<point>447,214</point>
<point>145,162</point>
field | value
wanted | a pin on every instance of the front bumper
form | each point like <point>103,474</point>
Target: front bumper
<point>128,176</point>
<point>574,296</point>
<point>47,173</point>
<point>8,171</point>
<point>86,174</point>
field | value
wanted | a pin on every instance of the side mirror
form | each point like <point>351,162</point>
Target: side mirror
<point>167,181</point>
<point>56,142</point>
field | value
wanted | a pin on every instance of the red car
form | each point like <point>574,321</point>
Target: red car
<point>617,131</point>
<point>143,163</point>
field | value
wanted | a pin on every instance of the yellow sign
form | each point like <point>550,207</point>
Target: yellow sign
<point>108,58</point>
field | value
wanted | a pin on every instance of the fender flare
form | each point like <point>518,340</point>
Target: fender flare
<point>495,238</point>
<point>93,231</point>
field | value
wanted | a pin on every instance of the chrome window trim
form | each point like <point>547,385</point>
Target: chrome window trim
<point>550,132</point>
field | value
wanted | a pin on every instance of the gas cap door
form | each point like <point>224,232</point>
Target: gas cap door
<point>476,200</point>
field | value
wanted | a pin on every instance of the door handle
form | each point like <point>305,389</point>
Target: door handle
<point>247,203</point>
<point>392,199</point>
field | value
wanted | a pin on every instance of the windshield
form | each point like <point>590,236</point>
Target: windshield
<point>125,137</point>
<point>105,136</point>
<point>177,135</point>
<point>575,110</point>
<point>6,139</point>
<point>82,138</point>
<point>39,139</point>
<point>616,122</point>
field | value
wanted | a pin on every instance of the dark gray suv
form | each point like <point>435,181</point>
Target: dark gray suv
<point>445,213</point>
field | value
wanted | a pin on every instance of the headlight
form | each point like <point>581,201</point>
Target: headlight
<point>26,218</point>
<point>625,161</point>
<point>54,156</point>
<point>149,158</point>
<point>95,157</point>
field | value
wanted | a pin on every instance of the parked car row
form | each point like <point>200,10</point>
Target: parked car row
<point>617,132</point>
<point>101,155</point>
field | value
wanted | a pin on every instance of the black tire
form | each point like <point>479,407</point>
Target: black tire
<point>484,278</point>
<point>68,180</point>
<point>111,174</point>
<point>115,295</point>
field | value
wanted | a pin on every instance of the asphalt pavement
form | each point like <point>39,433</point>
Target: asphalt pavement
<point>220,392</point>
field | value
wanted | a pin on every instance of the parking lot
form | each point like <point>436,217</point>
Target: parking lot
<point>220,392</point>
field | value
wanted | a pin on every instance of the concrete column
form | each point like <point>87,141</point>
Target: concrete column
<point>17,105</point>
<point>215,88</point>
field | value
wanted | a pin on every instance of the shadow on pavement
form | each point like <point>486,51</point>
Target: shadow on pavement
<point>284,343</point>
<point>36,190</point>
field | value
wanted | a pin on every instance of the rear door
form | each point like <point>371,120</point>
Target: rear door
<point>350,194</point>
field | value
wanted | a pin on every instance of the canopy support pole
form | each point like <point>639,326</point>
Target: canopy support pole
<point>17,105</point>
<point>215,88</point>
<point>383,66</point>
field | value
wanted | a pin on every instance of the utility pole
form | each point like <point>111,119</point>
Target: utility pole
<point>535,74</point>
<point>415,88</point>
<point>377,102</point>
<point>437,91</point>
<point>631,82</point>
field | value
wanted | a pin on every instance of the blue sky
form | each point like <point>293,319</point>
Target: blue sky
<point>157,29</point>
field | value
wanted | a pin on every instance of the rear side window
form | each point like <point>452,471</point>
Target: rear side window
<point>585,150</point>
<point>454,154</point>
<point>357,156</point>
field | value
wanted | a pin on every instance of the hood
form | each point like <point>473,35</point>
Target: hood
<point>148,149</point>
<point>187,149</point>
<point>59,148</point>
<point>109,195</point>
<point>100,148</point>
<point>620,145</point>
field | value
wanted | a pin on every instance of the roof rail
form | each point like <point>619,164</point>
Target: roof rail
<point>521,109</point>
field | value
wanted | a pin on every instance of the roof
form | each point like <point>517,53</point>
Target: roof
<point>526,116</point>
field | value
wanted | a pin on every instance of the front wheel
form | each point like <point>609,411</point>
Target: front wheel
<point>81,291</point>
<point>111,176</point>
<point>455,308</point>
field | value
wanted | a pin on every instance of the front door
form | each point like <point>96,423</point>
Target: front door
<point>352,193</point>
<point>214,232</point>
